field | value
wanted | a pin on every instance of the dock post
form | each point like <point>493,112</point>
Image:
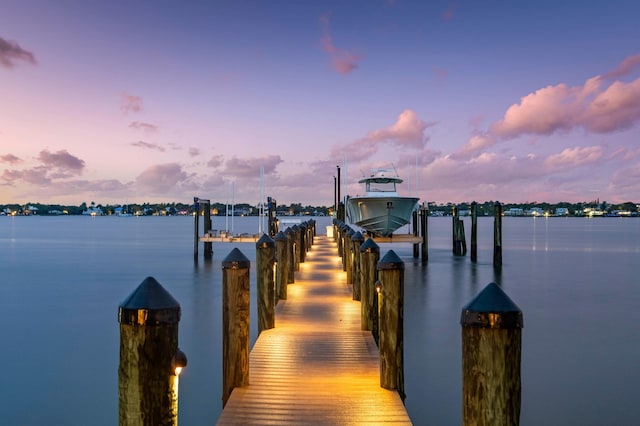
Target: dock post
<point>454,217</point>
<point>235,322</point>
<point>497,235</point>
<point>391,322</point>
<point>295,229</point>
<point>348,255</point>
<point>416,246</point>
<point>356,241</point>
<point>369,257</point>
<point>150,360</point>
<point>302,238</point>
<point>291,256</point>
<point>474,231</point>
<point>208,246</point>
<point>491,350</point>
<point>424,216</point>
<point>282,267</point>
<point>196,228</point>
<point>265,283</point>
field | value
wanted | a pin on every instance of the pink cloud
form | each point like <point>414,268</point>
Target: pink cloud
<point>131,103</point>
<point>34,176</point>
<point>215,161</point>
<point>11,52</point>
<point>194,152</point>
<point>617,108</point>
<point>61,160</point>
<point>147,127</point>
<point>625,68</point>
<point>595,107</point>
<point>250,167</point>
<point>161,178</point>
<point>10,159</point>
<point>148,145</point>
<point>573,157</point>
<point>342,60</point>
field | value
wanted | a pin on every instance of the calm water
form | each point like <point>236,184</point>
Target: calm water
<point>575,279</point>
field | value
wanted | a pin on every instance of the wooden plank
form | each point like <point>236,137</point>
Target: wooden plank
<point>316,366</point>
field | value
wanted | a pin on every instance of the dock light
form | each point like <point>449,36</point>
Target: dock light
<point>378,286</point>
<point>178,362</point>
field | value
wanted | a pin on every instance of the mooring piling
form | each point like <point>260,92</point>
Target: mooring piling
<point>391,322</point>
<point>150,360</point>
<point>491,351</point>
<point>369,257</point>
<point>474,231</point>
<point>282,266</point>
<point>497,235</point>
<point>235,322</point>
<point>265,283</point>
<point>356,242</point>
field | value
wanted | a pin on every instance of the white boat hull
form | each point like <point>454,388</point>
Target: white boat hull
<point>380,216</point>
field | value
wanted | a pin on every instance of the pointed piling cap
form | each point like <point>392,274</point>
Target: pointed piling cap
<point>236,260</point>
<point>265,242</point>
<point>390,261</point>
<point>492,308</point>
<point>350,233</point>
<point>369,246</point>
<point>357,237</point>
<point>149,304</point>
<point>280,236</point>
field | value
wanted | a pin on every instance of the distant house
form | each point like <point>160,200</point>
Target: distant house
<point>514,212</point>
<point>93,211</point>
<point>562,211</point>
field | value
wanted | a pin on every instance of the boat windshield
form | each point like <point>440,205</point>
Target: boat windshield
<point>387,186</point>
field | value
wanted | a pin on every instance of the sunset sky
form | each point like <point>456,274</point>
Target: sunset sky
<point>150,101</point>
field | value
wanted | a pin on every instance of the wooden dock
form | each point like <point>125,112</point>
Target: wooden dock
<point>316,366</point>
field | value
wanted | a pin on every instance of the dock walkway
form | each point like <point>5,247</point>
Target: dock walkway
<point>316,366</point>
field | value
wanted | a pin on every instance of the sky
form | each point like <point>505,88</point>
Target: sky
<point>161,101</point>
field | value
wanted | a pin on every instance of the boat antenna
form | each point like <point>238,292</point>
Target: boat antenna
<point>394,169</point>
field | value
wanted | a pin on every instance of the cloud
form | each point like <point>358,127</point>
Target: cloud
<point>53,166</point>
<point>161,178</point>
<point>10,159</point>
<point>573,157</point>
<point>11,52</point>
<point>147,127</point>
<point>406,133</point>
<point>250,167</point>
<point>148,145</point>
<point>61,160</point>
<point>215,161</point>
<point>595,107</point>
<point>130,103</point>
<point>35,176</point>
<point>625,68</point>
<point>342,60</point>
<point>617,108</point>
<point>194,152</point>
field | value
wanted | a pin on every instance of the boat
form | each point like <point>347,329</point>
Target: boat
<point>381,210</point>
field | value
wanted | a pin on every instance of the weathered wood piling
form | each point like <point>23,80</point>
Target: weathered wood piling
<point>391,322</point>
<point>265,282</point>
<point>356,241</point>
<point>474,231</point>
<point>491,348</point>
<point>235,322</point>
<point>150,360</point>
<point>369,257</point>
<point>282,266</point>
<point>497,236</point>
